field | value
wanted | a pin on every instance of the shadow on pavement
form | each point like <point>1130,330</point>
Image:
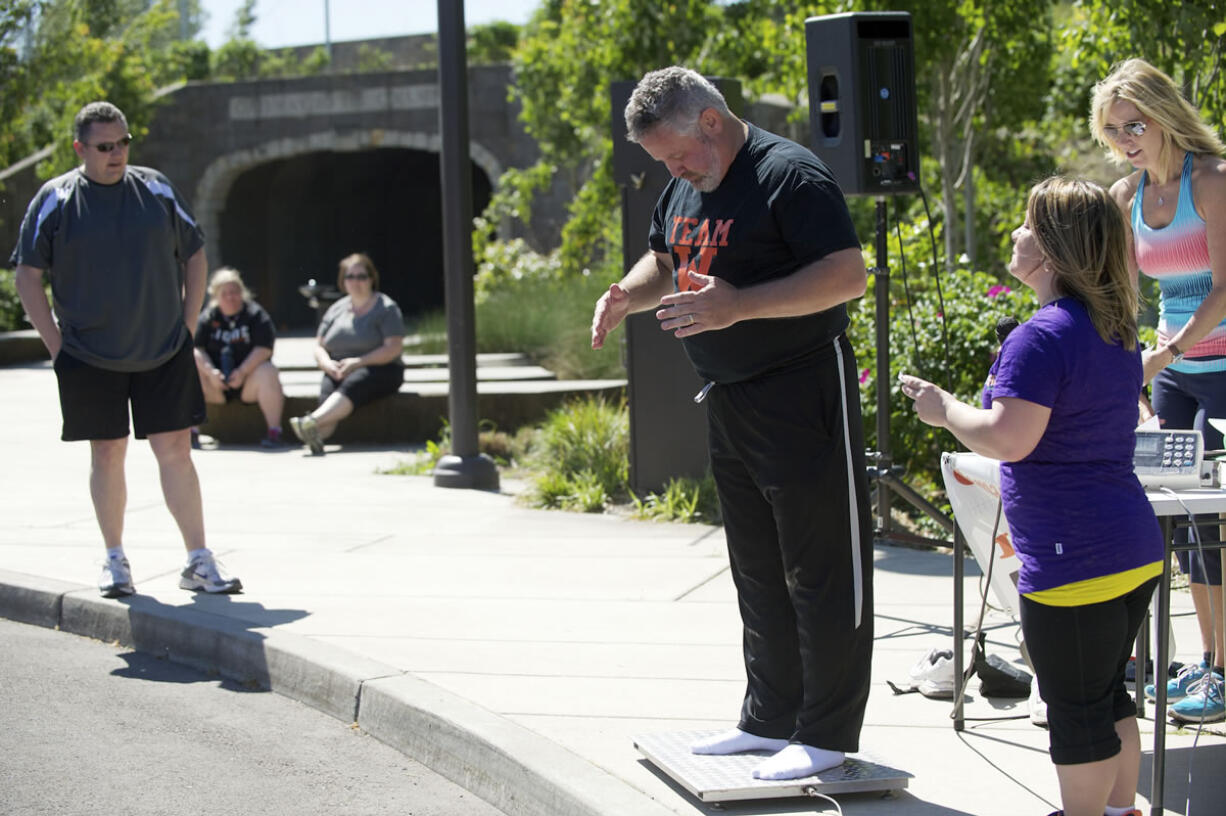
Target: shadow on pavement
<point>910,561</point>
<point>251,612</point>
<point>1208,783</point>
<point>214,631</point>
<point>143,666</point>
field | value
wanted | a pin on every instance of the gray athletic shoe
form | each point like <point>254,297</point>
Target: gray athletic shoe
<point>306,429</point>
<point>116,578</point>
<point>205,574</point>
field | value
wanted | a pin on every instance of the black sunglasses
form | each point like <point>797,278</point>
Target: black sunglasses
<point>107,147</point>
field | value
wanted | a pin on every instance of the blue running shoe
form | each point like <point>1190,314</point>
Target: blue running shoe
<point>1177,688</point>
<point>1204,701</point>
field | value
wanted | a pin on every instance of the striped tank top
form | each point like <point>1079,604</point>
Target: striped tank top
<point>1177,256</point>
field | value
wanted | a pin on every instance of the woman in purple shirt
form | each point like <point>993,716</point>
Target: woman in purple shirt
<point>1060,412</point>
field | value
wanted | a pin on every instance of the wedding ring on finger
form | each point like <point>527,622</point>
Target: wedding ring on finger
<point>689,321</point>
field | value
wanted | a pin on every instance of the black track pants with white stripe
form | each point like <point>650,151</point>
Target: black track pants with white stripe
<point>787,453</point>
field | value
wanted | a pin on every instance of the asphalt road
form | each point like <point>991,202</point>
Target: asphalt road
<point>93,728</point>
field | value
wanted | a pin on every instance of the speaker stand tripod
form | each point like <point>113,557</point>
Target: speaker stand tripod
<point>883,474</point>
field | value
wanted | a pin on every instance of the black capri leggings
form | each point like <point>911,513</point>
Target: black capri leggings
<point>1079,655</point>
<point>366,384</point>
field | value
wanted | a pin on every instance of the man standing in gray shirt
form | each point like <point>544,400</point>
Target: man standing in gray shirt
<point>127,268</point>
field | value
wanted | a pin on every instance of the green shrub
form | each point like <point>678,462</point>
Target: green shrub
<point>579,492</point>
<point>505,449</point>
<point>12,313</point>
<point>965,316</point>
<point>419,463</point>
<point>521,304</point>
<point>581,451</point>
<point>693,501</point>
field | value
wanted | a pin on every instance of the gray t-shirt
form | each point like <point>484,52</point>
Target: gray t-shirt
<point>342,335</point>
<point>115,254</point>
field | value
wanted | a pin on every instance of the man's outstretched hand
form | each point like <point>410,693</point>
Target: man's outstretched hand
<point>611,310</point>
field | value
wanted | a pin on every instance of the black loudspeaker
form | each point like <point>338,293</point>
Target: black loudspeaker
<point>862,100</point>
<point>668,431</point>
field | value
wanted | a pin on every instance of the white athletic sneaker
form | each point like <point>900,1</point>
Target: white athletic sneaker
<point>205,574</point>
<point>116,578</point>
<point>1038,708</point>
<point>933,674</point>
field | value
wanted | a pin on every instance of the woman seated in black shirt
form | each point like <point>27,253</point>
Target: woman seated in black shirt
<point>234,339</point>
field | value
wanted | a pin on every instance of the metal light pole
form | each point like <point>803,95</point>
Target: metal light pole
<point>328,34</point>
<point>465,466</point>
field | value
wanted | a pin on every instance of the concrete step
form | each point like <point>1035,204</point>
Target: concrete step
<point>417,413</point>
<point>303,382</point>
<point>296,357</point>
<point>512,391</point>
<point>18,347</point>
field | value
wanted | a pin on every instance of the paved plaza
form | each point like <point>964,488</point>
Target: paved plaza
<point>517,651</point>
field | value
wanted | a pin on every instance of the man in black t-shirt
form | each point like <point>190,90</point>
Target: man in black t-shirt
<point>752,260</point>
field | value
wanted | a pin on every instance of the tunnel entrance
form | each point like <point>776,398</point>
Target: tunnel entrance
<point>291,220</point>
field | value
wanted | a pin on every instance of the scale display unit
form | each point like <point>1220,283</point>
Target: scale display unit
<point>729,778</point>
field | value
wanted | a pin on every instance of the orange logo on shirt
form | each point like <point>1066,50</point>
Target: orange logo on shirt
<point>696,244</point>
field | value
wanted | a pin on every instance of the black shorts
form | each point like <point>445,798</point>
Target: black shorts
<point>365,385</point>
<point>1210,572</point>
<point>94,401</point>
<point>1079,655</point>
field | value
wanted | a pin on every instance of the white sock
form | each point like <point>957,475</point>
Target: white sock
<point>115,553</point>
<point>1117,811</point>
<point>798,760</point>
<point>196,555</point>
<point>735,741</point>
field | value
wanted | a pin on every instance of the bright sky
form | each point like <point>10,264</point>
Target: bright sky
<point>301,22</point>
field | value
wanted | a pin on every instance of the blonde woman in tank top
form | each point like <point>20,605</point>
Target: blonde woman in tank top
<point>1175,203</point>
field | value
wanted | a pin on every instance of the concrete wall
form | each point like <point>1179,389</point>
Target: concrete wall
<point>288,175</point>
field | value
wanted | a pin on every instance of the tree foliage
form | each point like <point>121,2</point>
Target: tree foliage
<point>16,83</point>
<point>84,50</point>
<point>1002,89</point>
<point>568,54</point>
<point>492,43</point>
<point>1183,39</point>
<point>983,69</point>
<point>57,55</point>
<point>980,66</point>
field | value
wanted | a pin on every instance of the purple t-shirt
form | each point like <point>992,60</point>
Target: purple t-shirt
<point>1074,505</point>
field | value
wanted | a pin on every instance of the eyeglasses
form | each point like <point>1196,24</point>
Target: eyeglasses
<point>356,276</point>
<point>1130,128</point>
<point>107,147</point>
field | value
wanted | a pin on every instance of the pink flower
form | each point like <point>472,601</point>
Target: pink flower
<point>863,376</point>
<point>999,289</point>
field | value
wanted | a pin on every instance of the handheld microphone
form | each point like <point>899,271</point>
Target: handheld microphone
<point>1004,327</point>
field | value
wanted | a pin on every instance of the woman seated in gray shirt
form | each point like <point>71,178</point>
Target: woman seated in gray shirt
<point>358,347</point>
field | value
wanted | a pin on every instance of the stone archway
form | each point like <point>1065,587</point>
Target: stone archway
<point>287,210</point>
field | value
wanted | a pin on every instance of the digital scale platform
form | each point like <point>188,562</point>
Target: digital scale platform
<point>730,777</point>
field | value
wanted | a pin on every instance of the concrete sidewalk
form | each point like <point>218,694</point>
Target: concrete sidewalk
<point>516,651</point>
